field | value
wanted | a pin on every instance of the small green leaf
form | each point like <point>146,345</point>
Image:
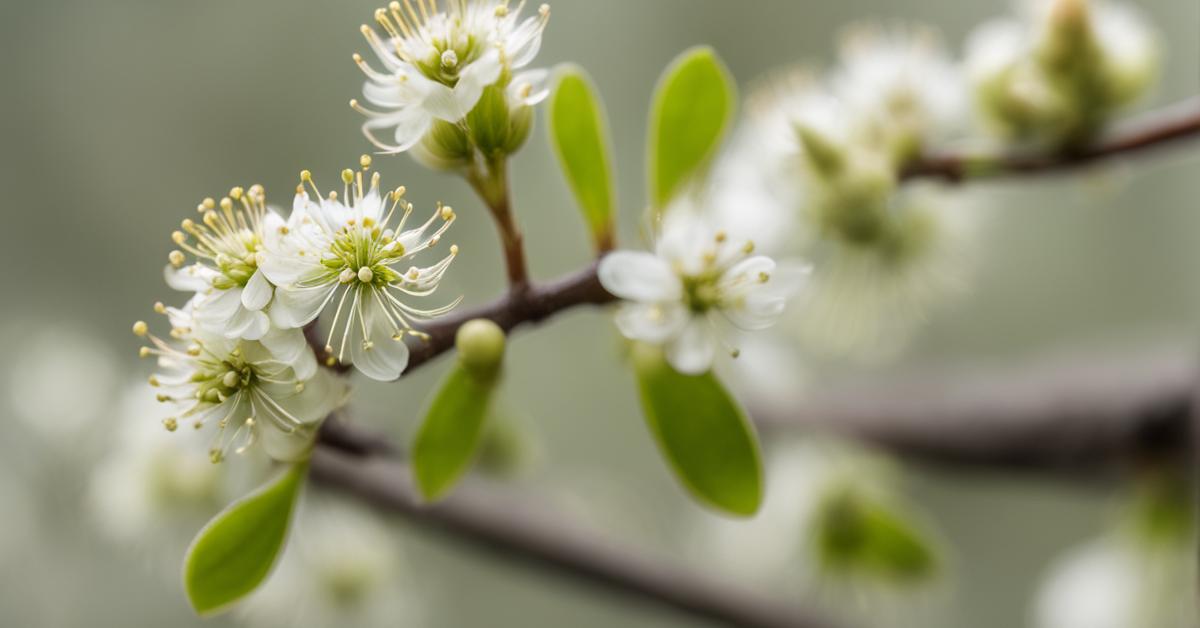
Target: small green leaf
<point>702,433</point>
<point>579,134</point>
<point>234,553</point>
<point>693,105</point>
<point>450,436</point>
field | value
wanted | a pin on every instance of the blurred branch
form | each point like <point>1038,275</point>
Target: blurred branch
<point>502,525</point>
<point>1084,416</point>
<point>1151,130</point>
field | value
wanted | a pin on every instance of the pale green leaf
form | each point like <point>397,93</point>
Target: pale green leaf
<point>449,438</point>
<point>703,434</point>
<point>580,136</point>
<point>692,108</point>
<point>235,552</point>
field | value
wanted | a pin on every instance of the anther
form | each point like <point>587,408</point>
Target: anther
<point>144,352</point>
<point>348,176</point>
<point>365,161</point>
<point>447,212</point>
<point>365,274</point>
<point>176,258</point>
<point>449,59</point>
<point>346,276</point>
<point>140,329</point>
<point>171,424</point>
<point>159,308</point>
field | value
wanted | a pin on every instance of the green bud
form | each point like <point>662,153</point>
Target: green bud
<point>489,121</point>
<point>519,127</point>
<point>480,345</point>
<point>444,147</point>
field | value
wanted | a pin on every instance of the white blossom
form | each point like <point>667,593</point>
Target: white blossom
<point>437,61</point>
<point>154,489</point>
<point>801,179</point>
<point>1114,582</point>
<point>342,251</point>
<point>1056,70</point>
<point>903,85</point>
<point>696,282</point>
<point>342,567</point>
<point>231,292</point>
<point>272,395</point>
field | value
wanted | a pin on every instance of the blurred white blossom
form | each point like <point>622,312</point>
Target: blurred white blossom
<point>1115,582</point>
<point>156,489</point>
<point>803,178</point>
<point>1055,73</point>
<point>342,567</point>
<point>54,356</point>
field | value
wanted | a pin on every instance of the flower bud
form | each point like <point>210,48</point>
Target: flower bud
<point>480,345</point>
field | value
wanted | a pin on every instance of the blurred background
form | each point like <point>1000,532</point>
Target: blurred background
<point>118,116</point>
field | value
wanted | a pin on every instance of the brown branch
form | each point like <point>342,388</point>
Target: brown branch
<point>1152,130</point>
<point>501,524</point>
<point>532,304</point>
<point>1087,417</point>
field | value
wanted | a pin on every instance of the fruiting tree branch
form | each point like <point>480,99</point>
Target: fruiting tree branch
<point>1076,418</point>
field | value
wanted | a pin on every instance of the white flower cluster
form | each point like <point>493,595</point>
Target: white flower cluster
<point>237,355</point>
<point>816,169</point>
<point>437,64</point>
<point>1056,73</point>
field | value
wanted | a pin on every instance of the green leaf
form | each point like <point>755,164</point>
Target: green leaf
<point>234,553</point>
<point>450,436</point>
<point>702,433</point>
<point>857,534</point>
<point>693,105</point>
<point>579,134</point>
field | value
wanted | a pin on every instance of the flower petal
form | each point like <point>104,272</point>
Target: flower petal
<point>639,276</point>
<point>258,291</point>
<point>692,352</point>
<point>653,323</point>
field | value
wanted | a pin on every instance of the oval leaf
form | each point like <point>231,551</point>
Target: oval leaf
<point>693,105</point>
<point>449,437</point>
<point>703,434</point>
<point>580,137</point>
<point>235,552</point>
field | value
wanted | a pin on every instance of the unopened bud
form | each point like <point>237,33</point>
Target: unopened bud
<point>480,345</point>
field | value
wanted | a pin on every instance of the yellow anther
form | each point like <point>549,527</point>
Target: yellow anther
<point>748,248</point>
<point>208,203</point>
<point>226,204</point>
<point>176,258</point>
<point>365,161</point>
<point>348,176</point>
<point>454,249</point>
<point>722,236</point>
<point>144,352</point>
<point>763,277</point>
<point>153,381</point>
<point>140,329</point>
<point>159,308</point>
<point>306,175</point>
<point>171,424</point>
<point>178,237</point>
<point>236,193</point>
<point>447,212</point>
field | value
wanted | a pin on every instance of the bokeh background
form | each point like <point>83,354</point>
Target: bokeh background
<point>118,116</point>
